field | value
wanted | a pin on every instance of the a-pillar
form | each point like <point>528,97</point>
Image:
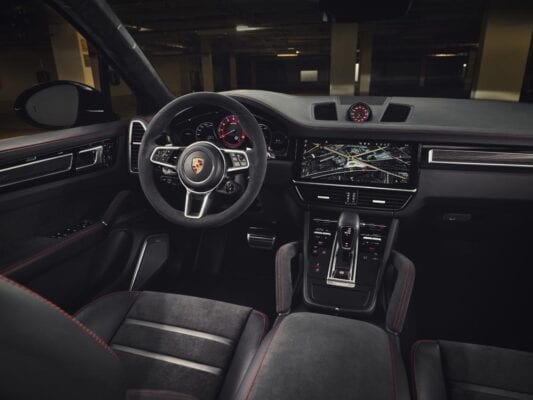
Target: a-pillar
<point>71,53</point>
<point>208,80</point>
<point>343,58</point>
<point>504,49</point>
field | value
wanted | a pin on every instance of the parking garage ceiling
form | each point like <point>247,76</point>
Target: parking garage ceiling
<point>262,28</point>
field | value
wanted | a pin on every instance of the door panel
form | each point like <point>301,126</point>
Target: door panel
<point>51,230</point>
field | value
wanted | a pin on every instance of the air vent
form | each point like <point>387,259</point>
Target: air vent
<point>137,129</point>
<point>326,111</point>
<point>358,198</point>
<point>382,200</point>
<point>396,113</point>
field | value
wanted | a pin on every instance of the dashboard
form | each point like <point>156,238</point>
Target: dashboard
<point>224,129</point>
<point>382,154</point>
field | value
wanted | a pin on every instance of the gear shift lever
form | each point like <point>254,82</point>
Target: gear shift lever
<point>344,261</point>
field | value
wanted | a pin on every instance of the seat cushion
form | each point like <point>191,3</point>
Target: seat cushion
<point>312,356</point>
<point>175,343</point>
<point>459,371</point>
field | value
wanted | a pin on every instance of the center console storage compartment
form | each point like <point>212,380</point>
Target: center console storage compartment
<point>314,356</point>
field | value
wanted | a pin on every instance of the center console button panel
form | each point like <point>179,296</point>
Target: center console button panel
<point>344,265</point>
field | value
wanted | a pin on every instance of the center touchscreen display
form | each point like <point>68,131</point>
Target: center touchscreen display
<point>362,163</point>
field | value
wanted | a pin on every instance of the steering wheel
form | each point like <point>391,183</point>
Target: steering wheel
<point>202,167</point>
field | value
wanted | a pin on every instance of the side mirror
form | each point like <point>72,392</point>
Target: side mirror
<point>62,104</point>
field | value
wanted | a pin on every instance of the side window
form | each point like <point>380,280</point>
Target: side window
<point>50,75</point>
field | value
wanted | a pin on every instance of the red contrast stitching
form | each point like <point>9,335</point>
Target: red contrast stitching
<point>262,360</point>
<point>413,365</point>
<point>393,370</point>
<point>93,335</point>
<point>278,280</point>
<point>163,393</point>
<point>49,250</point>
<point>403,299</point>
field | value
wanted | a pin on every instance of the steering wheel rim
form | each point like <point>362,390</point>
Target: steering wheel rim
<point>256,159</point>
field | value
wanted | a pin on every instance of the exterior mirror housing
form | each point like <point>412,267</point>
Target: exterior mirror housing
<point>62,104</point>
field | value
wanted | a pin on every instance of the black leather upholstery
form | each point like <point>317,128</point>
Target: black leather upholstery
<point>180,344</point>
<point>47,354</point>
<point>458,371</point>
<point>312,356</point>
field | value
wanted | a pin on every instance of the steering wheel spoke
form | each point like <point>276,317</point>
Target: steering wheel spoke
<point>196,204</point>
<point>238,160</point>
<point>166,156</point>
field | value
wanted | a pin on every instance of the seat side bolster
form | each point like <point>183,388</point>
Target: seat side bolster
<point>427,373</point>
<point>252,335</point>
<point>114,306</point>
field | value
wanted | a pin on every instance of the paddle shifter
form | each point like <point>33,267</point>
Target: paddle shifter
<point>343,264</point>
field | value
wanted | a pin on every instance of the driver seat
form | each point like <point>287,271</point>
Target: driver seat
<point>126,345</point>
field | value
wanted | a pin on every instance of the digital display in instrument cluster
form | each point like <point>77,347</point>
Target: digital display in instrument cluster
<point>362,163</point>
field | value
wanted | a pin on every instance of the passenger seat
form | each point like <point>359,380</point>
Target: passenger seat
<point>443,370</point>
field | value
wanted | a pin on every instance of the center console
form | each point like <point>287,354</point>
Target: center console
<point>351,190</point>
<point>345,256</point>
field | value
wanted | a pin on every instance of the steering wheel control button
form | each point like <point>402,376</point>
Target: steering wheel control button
<point>162,155</point>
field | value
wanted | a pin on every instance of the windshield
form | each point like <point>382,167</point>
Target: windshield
<point>439,48</point>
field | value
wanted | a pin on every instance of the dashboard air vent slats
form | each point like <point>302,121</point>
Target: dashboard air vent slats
<point>137,130</point>
<point>325,111</point>
<point>396,113</point>
<point>357,198</point>
<point>382,200</point>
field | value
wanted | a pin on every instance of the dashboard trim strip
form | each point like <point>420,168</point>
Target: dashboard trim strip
<point>495,154</point>
<point>298,182</point>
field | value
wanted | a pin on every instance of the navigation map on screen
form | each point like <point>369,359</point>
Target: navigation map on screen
<point>360,163</point>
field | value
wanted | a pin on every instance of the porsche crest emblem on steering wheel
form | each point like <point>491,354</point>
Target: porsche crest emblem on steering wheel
<point>197,165</point>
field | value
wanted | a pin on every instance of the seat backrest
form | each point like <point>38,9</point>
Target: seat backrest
<point>47,354</point>
<point>443,370</point>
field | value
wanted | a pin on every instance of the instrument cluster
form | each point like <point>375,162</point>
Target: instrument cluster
<point>224,129</point>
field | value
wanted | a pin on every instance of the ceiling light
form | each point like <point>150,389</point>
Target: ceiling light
<point>246,28</point>
<point>447,54</point>
<point>139,28</point>
<point>287,54</point>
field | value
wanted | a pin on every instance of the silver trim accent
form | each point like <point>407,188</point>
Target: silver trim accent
<point>431,154</point>
<point>98,152</point>
<point>351,186</point>
<point>69,155</point>
<point>131,143</point>
<point>349,283</point>
<point>319,233</point>
<point>268,240</point>
<point>138,264</point>
<point>169,359</point>
<point>188,194</point>
<point>171,166</point>
<point>177,329</point>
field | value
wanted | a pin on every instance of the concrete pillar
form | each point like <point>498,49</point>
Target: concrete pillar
<point>504,49</point>
<point>71,53</point>
<point>208,79</point>
<point>343,57</point>
<point>232,72</point>
<point>366,39</point>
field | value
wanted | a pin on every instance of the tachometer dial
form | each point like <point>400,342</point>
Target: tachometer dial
<point>206,131</point>
<point>230,132</point>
